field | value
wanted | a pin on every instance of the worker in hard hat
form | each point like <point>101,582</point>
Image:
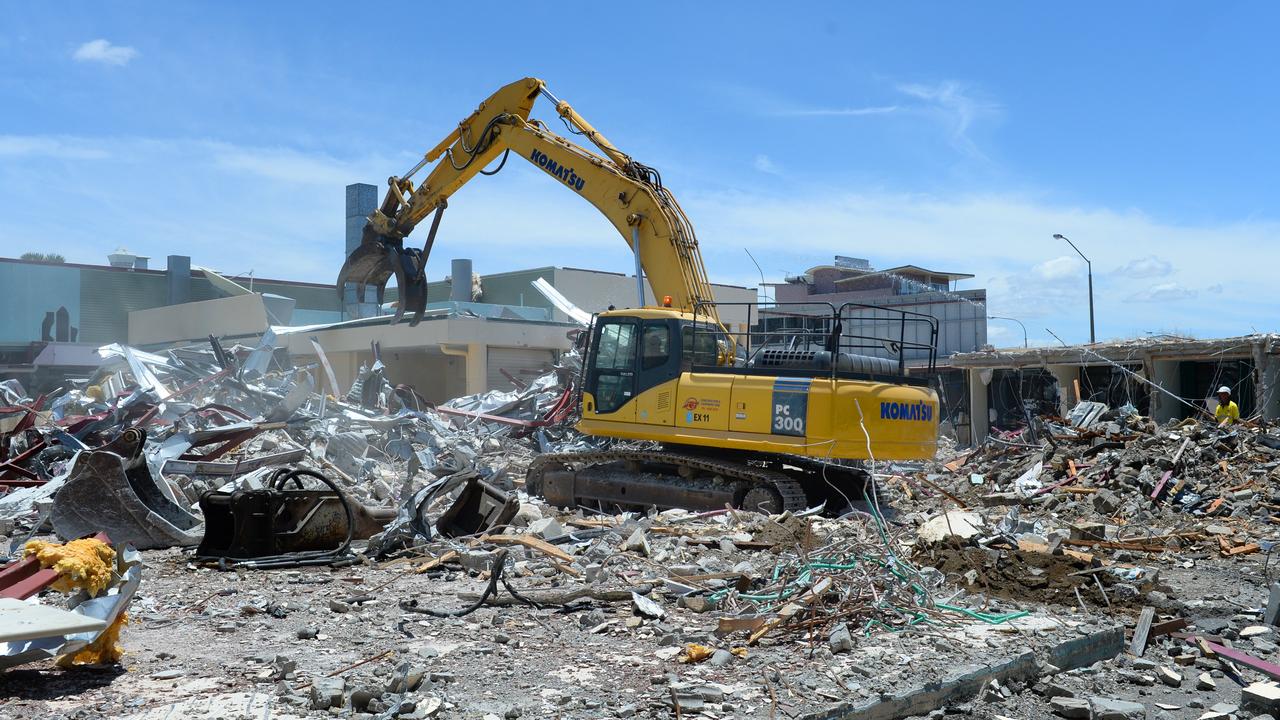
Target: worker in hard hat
<point>1228,413</point>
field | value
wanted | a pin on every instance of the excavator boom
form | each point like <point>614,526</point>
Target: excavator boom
<point>628,193</point>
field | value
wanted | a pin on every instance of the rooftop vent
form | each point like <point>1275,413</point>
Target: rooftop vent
<point>121,258</point>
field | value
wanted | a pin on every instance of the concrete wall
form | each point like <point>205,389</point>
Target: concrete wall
<point>230,316</point>
<point>436,376</point>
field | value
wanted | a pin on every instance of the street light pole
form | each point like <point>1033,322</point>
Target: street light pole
<point>1024,327</point>
<point>1093,338</point>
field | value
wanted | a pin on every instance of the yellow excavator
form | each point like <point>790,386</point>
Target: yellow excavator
<point>766,416</point>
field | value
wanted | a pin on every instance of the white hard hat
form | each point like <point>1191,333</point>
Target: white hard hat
<point>1224,389</point>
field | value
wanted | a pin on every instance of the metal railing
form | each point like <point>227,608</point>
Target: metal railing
<point>859,330</point>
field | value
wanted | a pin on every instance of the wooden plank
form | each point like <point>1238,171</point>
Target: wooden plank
<point>956,464</point>
<point>531,542</point>
<point>1142,631</point>
<point>1070,478</point>
<point>1028,546</point>
<point>1111,545</point>
<point>1167,627</point>
<point>1211,649</point>
<point>1246,549</point>
<point>736,624</point>
<point>436,562</point>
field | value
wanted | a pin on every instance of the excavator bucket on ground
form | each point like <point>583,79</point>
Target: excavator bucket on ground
<point>375,261</point>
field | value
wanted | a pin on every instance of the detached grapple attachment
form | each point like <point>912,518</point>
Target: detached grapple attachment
<point>376,260</point>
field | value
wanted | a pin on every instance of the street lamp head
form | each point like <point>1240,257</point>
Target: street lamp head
<point>1059,236</point>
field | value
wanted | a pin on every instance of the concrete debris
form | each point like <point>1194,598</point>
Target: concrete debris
<point>954,524</point>
<point>1009,597</point>
<point>1261,697</point>
<point>1113,709</point>
<point>1070,707</point>
<point>638,542</point>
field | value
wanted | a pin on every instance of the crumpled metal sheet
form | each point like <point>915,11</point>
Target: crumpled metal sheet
<point>106,607</point>
<point>12,393</point>
<point>411,524</point>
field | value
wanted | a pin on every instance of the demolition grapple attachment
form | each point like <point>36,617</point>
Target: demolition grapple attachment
<point>380,256</point>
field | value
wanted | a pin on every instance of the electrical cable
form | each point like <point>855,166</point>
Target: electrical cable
<point>496,568</point>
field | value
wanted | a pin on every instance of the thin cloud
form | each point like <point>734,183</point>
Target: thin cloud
<point>1163,293</point>
<point>951,102</point>
<point>47,146</point>
<point>102,51</point>
<point>1060,268</point>
<point>1150,266</point>
<point>766,165</point>
<point>282,164</point>
<point>841,112</point>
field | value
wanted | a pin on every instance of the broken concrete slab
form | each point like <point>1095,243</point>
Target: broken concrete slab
<point>1261,697</point>
<point>954,524</point>
<point>1114,709</point>
<point>1070,707</point>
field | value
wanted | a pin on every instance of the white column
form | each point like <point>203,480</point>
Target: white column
<point>1165,374</point>
<point>1066,375</point>
<point>979,404</point>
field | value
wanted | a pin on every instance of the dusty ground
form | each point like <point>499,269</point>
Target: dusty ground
<point>207,640</point>
<point>211,644</point>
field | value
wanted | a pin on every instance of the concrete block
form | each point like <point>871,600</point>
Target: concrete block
<point>1261,697</point>
<point>1087,650</point>
<point>840,640</point>
<point>934,694</point>
<point>1113,709</point>
<point>1069,707</point>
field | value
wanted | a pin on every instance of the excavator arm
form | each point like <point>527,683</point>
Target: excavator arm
<point>629,194</point>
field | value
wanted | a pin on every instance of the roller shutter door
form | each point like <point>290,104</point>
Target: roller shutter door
<point>523,363</point>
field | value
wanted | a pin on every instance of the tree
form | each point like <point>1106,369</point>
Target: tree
<point>42,257</point>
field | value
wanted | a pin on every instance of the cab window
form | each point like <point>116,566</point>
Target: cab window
<point>656,347</point>
<point>617,347</point>
<point>699,347</point>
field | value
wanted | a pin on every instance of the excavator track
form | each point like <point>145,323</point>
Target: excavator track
<point>666,479</point>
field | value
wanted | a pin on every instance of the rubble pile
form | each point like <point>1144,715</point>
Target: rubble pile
<point>406,573</point>
<point>1121,479</point>
<point>169,427</point>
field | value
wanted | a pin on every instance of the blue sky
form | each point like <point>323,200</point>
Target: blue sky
<point>948,135</point>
